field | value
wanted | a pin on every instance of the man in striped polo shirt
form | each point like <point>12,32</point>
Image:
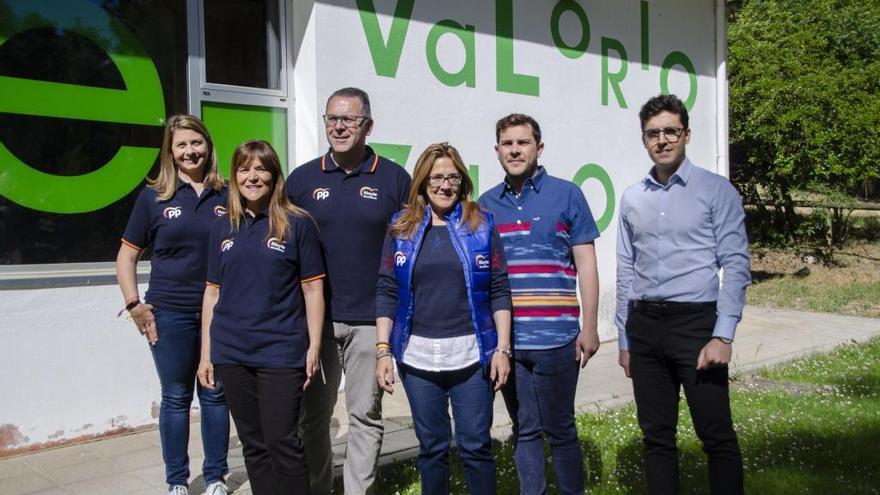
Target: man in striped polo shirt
<point>548,232</point>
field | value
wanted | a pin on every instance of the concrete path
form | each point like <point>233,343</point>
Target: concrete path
<point>132,464</point>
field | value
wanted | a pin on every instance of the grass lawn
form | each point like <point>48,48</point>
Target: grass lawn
<point>808,427</point>
<point>850,286</point>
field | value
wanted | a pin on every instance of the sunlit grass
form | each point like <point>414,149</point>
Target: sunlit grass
<point>821,440</point>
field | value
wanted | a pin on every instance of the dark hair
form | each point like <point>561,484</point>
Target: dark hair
<point>663,103</point>
<point>517,119</point>
<point>354,93</point>
<point>279,205</point>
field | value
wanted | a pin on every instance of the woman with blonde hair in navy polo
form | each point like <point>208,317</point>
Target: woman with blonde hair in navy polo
<point>174,214</point>
<point>443,312</point>
<point>263,315</point>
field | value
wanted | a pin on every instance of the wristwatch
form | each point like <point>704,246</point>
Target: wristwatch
<point>506,352</point>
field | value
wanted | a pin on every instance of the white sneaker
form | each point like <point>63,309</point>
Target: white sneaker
<point>216,488</point>
<point>178,490</point>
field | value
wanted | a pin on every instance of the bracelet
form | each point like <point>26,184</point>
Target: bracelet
<point>506,352</point>
<point>383,344</point>
<point>383,353</point>
<point>132,304</point>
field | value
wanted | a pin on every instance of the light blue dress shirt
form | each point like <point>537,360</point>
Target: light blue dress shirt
<point>672,241</point>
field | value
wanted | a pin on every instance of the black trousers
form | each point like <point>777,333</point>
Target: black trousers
<point>664,346</point>
<point>264,403</point>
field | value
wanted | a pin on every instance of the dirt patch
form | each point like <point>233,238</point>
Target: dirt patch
<point>800,279</point>
<point>855,262</point>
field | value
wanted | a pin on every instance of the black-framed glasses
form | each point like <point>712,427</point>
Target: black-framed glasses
<point>437,180</point>
<point>348,121</point>
<point>672,134</point>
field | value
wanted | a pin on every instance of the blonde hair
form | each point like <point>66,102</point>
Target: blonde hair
<point>166,182</point>
<point>408,223</point>
<point>279,205</point>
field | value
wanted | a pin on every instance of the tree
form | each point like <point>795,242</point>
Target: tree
<point>804,99</point>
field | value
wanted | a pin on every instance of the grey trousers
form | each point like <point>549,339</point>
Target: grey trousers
<point>316,411</point>
<point>355,354</point>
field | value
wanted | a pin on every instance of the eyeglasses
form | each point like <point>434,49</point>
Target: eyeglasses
<point>348,121</point>
<point>672,134</point>
<point>437,180</point>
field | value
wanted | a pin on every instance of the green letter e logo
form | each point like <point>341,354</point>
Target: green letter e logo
<point>142,102</point>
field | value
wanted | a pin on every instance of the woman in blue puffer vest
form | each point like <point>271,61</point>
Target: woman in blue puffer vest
<point>443,313</point>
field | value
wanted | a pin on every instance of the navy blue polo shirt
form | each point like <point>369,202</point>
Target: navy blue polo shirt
<point>260,318</point>
<point>353,211</point>
<point>178,230</point>
<point>538,228</point>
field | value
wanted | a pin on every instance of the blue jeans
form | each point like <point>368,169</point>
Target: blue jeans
<point>545,382</point>
<point>470,393</point>
<point>176,355</point>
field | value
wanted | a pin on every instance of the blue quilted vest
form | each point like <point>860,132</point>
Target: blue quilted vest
<point>474,251</point>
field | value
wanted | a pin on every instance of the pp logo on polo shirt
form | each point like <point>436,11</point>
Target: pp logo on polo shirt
<point>321,193</point>
<point>172,212</point>
<point>276,244</point>
<point>370,192</point>
<point>226,245</point>
<point>482,262</point>
<point>399,258</point>
<point>219,210</point>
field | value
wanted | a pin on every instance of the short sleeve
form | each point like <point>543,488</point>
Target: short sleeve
<point>583,226</point>
<point>292,189</point>
<point>308,245</point>
<point>138,233</point>
<point>404,185</point>
<point>215,239</point>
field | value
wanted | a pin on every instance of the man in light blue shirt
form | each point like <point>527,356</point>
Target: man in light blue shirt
<point>679,226</point>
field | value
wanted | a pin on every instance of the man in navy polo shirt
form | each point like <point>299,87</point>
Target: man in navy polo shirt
<point>548,232</point>
<point>352,193</point>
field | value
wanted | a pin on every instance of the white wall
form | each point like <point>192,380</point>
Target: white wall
<point>72,369</point>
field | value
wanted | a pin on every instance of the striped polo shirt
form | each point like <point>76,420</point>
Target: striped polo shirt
<point>538,228</point>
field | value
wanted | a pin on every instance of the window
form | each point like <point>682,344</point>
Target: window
<point>242,43</point>
<point>59,141</point>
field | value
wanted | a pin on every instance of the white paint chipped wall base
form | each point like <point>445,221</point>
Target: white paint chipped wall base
<point>71,368</point>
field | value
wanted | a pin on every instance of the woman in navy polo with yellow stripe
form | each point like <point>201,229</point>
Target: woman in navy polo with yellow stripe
<point>263,315</point>
<point>174,214</point>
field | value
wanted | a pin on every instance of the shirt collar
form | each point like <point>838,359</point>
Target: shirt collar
<point>264,213</point>
<point>536,181</point>
<point>681,175</point>
<point>367,165</point>
<point>181,184</point>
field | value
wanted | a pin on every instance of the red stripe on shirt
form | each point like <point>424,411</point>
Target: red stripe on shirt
<point>514,227</point>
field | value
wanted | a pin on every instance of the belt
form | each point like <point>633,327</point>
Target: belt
<point>663,308</point>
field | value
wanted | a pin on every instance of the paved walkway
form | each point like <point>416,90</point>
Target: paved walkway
<point>132,464</point>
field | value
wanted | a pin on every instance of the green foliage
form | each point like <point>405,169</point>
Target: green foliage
<point>804,99</point>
